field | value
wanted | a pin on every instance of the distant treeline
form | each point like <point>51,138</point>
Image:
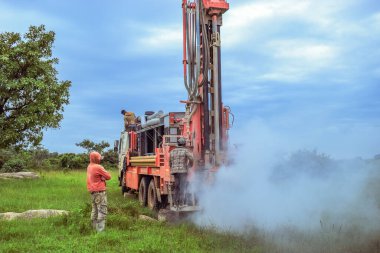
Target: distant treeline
<point>39,158</point>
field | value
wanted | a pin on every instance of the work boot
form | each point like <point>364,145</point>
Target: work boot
<point>100,225</point>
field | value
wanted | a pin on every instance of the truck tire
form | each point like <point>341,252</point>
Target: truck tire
<point>164,201</point>
<point>152,196</point>
<point>143,191</point>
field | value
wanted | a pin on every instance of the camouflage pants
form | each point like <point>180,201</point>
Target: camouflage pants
<point>180,188</point>
<point>99,206</point>
<point>129,127</point>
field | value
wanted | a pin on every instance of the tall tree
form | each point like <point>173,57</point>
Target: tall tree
<point>31,96</point>
<point>92,146</point>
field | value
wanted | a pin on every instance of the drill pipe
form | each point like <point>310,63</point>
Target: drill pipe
<point>144,165</point>
<point>142,160</point>
<point>149,161</point>
<point>143,157</point>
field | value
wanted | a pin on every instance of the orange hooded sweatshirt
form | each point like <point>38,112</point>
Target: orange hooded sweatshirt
<point>96,174</point>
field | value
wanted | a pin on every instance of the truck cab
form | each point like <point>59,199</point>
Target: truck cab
<point>144,156</point>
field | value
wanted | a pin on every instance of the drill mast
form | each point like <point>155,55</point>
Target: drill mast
<point>207,119</point>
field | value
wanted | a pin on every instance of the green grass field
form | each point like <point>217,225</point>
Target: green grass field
<point>73,233</point>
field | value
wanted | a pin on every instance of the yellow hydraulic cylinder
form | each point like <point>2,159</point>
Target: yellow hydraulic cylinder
<point>149,161</point>
<point>143,157</point>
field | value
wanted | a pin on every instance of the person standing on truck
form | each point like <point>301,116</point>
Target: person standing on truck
<point>180,160</point>
<point>129,120</point>
<point>96,185</point>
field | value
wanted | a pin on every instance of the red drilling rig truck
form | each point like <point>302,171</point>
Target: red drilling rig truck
<point>144,150</point>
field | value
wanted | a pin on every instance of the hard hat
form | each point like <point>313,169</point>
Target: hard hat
<point>181,141</point>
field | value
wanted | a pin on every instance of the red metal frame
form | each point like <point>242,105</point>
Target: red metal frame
<point>192,129</point>
<point>221,6</point>
<point>184,7</point>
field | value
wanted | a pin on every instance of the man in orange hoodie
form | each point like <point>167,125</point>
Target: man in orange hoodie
<point>96,185</point>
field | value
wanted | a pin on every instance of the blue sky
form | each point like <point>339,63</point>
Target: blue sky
<point>305,70</point>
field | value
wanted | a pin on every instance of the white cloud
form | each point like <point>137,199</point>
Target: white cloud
<point>240,20</point>
<point>306,52</point>
<point>284,74</point>
<point>374,22</point>
<point>325,38</point>
<point>260,10</point>
<point>298,59</point>
<point>18,20</point>
<point>161,37</point>
<point>153,39</point>
<point>376,17</point>
<point>286,61</point>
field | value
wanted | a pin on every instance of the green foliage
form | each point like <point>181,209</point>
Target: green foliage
<point>110,157</point>
<point>89,145</point>
<point>31,97</point>
<point>5,155</point>
<point>39,158</point>
<point>15,164</point>
<point>13,161</point>
<point>73,161</point>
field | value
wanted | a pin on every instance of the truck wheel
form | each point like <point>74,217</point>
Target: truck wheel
<point>152,196</point>
<point>164,201</point>
<point>143,191</point>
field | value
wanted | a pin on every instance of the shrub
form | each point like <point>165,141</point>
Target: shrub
<point>92,146</point>
<point>79,161</point>
<point>73,161</point>
<point>37,156</point>
<point>5,155</point>
<point>15,164</point>
<point>110,157</point>
<point>13,161</point>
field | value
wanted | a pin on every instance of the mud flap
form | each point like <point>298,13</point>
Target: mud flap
<point>158,194</point>
<point>170,195</point>
<point>158,190</point>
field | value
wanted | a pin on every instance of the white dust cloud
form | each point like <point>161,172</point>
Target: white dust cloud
<point>276,181</point>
